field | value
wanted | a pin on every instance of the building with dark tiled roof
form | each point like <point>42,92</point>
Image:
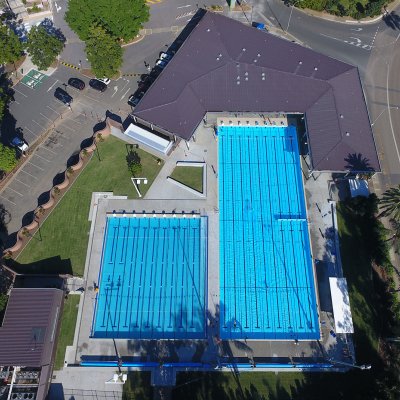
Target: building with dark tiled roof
<point>226,66</point>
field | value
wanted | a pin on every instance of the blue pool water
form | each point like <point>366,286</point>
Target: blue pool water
<point>266,274</point>
<point>152,281</point>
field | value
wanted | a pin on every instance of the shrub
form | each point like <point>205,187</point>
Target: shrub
<point>8,158</point>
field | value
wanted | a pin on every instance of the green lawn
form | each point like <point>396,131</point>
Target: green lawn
<point>189,176</point>
<point>65,232</point>
<point>67,330</point>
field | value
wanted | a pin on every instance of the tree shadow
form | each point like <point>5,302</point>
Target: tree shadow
<point>392,20</point>
<point>356,162</point>
<point>48,266</point>
<point>50,28</point>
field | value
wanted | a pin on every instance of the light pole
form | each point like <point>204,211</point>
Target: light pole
<point>290,15</point>
<point>388,108</point>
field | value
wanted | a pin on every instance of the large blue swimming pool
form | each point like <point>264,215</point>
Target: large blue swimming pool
<point>266,274</point>
<point>152,281</point>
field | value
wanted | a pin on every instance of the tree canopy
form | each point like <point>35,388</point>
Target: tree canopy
<point>103,52</point>
<point>43,47</point>
<point>10,45</point>
<point>120,18</point>
<point>8,158</point>
<point>3,102</point>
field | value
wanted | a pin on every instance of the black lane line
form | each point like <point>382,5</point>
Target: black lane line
<point>165,281</point>
<point>280,213</point>
<point>144,230</point>
<point>160,313</point>
<point>252,229</point>
<point>151,277</point>
<point>123,275</point>
<point>116,232</point>
<point>262,138</point>
<point>233,235</point>
<point>130,283</point>
<point>222,171</point>
<point>172,276</point>
<point>113,275</point>
<point>243,239</point>
<point>135,261</point>
<point>144,267</point>
<point>193,271</point>
<point>296,183</point>
<point>283,235</point>
<point>271,220</point>
<point>182,273</point>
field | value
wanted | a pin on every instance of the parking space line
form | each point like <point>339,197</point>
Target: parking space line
<point>39,124</point>
<point>5,198</point>
<point>45,148</point>
<point>66,126</point>
<point>52,109</point>
<point>31,131</point>
<point>75,121</point>
<point>30,162</point>
<point>34,177</point>
<point>51,87</point>
<point>45,159</point>
<point>125,93</point>
<point>46,117</point>
<point>23,94</point>
<point>18,193</point>
<point>22,182</point>
<point>91,98</point>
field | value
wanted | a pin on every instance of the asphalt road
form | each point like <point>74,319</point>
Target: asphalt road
<point>36,111</point>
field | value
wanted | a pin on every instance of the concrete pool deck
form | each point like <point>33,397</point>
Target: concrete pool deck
<point>165,196</point>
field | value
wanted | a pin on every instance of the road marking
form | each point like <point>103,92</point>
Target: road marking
<point>91,98</point>
<point>115,91</point>
<point>66,126</point>
<point>38,124</point>
<point>33,176</point>
<point>30,162</point>
<point>45,148</point>
<point>51,87</point>
<point>5,198</point>
<point>356,43</point>
<point>125,93</point>
<point>45,159</point>
<point>388,108</point>
<point>126,84</point>
<point>18,193</point>
<point>15,101</point>
<point>376,33</point>
<point>46,117</point>
<point>52,109</point>
<point>21,182</point>
<point>356,29</point>
<point>34,134</point>
<point>23,94</point>
<point>188,5</point>
<point>73,120</point>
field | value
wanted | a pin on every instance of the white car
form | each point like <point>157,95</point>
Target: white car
<point>20,145</point>
<point>161,63</point>
<point>104,80</point>
<point>165,56</point>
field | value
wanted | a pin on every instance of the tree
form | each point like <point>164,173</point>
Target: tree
<point>10,45</point>
<point>3,302</point>
<point>121,19</point>
<point>390,203</point>
<point>43,47</point>
<point>3,102</point>
<point>8,158</point>
<point>103,52</point>
<point>133,161</point>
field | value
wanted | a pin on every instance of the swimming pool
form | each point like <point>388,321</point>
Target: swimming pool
<point>152,281</point>
<point>267,288</point>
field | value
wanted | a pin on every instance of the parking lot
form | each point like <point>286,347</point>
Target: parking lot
<point>36,115</point>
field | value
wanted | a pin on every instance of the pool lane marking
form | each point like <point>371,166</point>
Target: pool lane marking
<point>130,279</point>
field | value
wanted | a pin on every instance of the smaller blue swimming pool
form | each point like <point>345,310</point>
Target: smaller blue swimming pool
<point>152,281</point>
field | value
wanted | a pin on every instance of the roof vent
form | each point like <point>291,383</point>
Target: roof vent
<point>244,49</point>
<point>347,133</point>
<point>208,29</point>
<point>300,62</point>
<point>315,69</point>
<point>217,58</point>
<point>246,73</point>
<point>238,82</point>
<point>220,55</point>
<point>246,79</point>
<point>238,78</point>
<point>255,60</point>
<point>258,55</point>
<point>341,116</point>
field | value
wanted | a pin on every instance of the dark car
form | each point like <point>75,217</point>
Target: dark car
<point>76,83</point>
<point>97,85</point>
<point>63,96</point>
<point>134,99</point>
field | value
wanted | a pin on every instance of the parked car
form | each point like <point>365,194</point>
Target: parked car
<point>20,145</point>
<point>76,83</point>
<point>97,85</point>
<point>165,56</point>
<point>104,80</point>
<point>161,64</point>
<point>63,96</point>
<point>134,99</point>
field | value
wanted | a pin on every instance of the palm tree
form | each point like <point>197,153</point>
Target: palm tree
<point>390,204</point>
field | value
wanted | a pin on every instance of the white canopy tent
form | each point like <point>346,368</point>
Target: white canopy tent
<point>341,305</point>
